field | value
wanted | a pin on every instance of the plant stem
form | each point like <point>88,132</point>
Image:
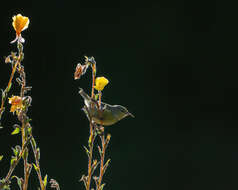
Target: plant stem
<point>102,160</point>
<point>91,135</point>
<point>24,157</point>
<point>102,137</point>
<point>12,168</point>
<point>93,76</point>
<point>38,171</point>
<point>90,160</point>
<point>9,84</point>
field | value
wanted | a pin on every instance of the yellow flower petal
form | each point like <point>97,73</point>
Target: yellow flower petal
<point>100,83</point>
<point>20,23</point>
<point>16,103</point>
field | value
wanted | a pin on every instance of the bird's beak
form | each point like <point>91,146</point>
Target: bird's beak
<point>131,114</point>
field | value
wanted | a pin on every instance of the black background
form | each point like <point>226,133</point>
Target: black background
<point>171,63</point>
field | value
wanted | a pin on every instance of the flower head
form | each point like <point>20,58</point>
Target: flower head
<point>16,103</point>
<point>79,71</point>
<point>19,24</point>
<point>101,82</point>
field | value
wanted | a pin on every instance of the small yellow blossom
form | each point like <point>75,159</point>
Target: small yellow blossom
<point>101,82</point>
<point>16,103</point>
<point>19,24</point>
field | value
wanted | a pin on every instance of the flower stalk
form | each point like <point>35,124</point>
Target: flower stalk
<point>97,83</point>
<point>92,130</point>
<point>20,105</point>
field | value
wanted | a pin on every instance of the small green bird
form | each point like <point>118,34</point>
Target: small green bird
<point>107,115</point>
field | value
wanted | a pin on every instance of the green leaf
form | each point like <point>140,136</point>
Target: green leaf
<point>3,94</point>
<point>29,129</point>
<point>106,165</point>
<point>15,151</point>
<point>1,157</point>
<point>38,153</point>
<point>36,168</point>
<point>9,87</point>
<point>28,120</point>
<point>16,131</point>
<point>33,143</point>
<point>5,187</point>
<point>45,180</point>
<point>96,96</point>
<point>87,151</point>
<point>101,187</point>
<point>25,154</point>
<point>13,159</point>
<point>19,181</point>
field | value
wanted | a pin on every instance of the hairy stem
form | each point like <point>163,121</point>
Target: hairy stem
<point>24,158</point>
<point>102,137</point>
<point>91,138</point>
<point>90,160</point>
<point>38,171</point>
<point>12,168</point>
<point>102,160</point>
<point>8,85</point>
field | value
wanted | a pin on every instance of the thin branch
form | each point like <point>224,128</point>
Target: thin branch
<point>91,137</point>
<point>38,171</point>
<point>9,85</point>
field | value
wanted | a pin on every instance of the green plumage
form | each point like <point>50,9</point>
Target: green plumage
<point>107,115</point>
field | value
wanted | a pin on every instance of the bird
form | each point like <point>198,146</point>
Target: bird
<point>104,114</point>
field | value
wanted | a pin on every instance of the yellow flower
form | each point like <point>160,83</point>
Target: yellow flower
<point>101,82</point>
<point>16,103</point>
<point>19,24</point>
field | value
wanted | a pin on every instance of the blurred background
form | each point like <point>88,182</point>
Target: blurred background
<point>171,63</point>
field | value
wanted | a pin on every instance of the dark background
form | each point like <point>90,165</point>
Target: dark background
<point>171,63</point>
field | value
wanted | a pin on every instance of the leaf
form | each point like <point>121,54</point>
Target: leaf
<point>3,94</point>
<point>100,151</point>
<point>5,187</point>
<point>101,187</point>
<point>94,166</point>
<point>84,179</point>
<point>15,151</point>
<point>106,165</point>
<point>16,131</point>
<point>13,160</point>
<point>96,96</point>
<point>28,120</point>
<point>107,140</point>
<point>25,154</point>
<point>45,180</point>
<point>19,181</point>
<point>29,130</point>
<point>36,168</point>
<point>87,151</point>
<point>1,157</point>
<point>33,143</point>
<point>9,87</point>
<point>38,153</point>
<point>90,140</point>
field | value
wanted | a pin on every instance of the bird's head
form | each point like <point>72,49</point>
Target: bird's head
<point>124,111</point>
